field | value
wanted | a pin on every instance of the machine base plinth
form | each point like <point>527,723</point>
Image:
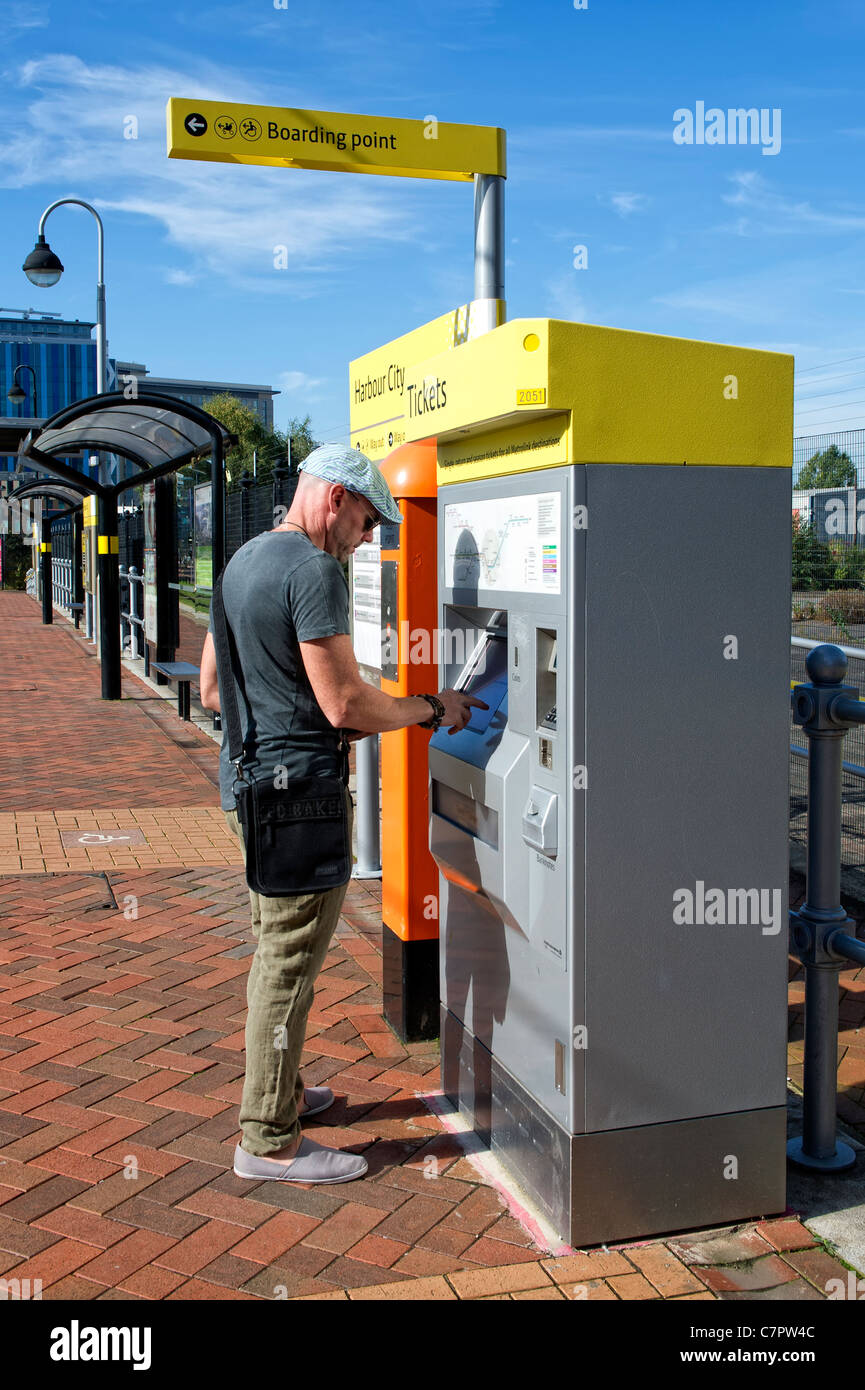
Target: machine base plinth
<point>619,1184</point>
<point>839,1162</point>
<point>410,986</point>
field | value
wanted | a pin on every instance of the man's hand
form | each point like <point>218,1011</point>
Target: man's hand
<point>458,709</point>
<point>348,702</point>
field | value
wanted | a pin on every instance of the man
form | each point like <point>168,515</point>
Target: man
<point>287,603</point>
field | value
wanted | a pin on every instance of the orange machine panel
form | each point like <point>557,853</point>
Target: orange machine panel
<point>410,882</point>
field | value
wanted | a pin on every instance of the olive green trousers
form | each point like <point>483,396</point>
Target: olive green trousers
<point>293,934</point>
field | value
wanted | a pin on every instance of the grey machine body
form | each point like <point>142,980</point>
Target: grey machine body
<point>619,1045</point>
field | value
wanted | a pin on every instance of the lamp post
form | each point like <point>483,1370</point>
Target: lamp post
<point>16,394</point>
<point>42,267</point>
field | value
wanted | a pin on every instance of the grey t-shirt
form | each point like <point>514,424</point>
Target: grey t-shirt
<point>278,590</point>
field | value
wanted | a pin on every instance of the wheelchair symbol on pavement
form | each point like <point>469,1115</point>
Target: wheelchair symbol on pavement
<point>92,837</point>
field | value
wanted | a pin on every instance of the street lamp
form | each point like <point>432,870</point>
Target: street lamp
<point>16,394</point>
<point>42,267</point>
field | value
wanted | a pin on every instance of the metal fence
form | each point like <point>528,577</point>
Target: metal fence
<point>850,442</point>
<point>829,541</point>
<point>829,606</point>
<point>256,506</point>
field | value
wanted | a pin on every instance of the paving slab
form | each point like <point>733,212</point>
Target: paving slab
<point>122,1010</point>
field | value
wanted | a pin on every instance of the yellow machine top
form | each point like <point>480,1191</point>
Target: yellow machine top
<point>537,393</point>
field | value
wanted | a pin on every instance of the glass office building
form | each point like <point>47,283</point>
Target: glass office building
<point>62,353</point>
<point>257,398</point>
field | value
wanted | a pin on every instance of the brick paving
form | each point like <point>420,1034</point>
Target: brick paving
<point>122,1007</point>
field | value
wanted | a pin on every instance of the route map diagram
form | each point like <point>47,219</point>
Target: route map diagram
<point>509,543</point>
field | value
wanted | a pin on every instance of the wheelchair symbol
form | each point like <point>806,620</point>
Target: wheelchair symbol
<point>92,837</point>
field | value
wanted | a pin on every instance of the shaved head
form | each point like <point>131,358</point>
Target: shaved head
<point>311,487</point>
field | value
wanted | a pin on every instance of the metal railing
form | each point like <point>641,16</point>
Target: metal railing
<point>132,615</point>
<point>62,584</point>
<point>822,933</point>
<point>187,589</point>
<point>852,654</point>
<point>852,849</point>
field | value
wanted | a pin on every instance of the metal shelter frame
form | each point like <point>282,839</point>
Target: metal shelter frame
<point>158,434</point>
<point>74,494</point>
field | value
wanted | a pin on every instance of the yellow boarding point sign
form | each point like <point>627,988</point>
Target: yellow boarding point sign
<point>284,137</point>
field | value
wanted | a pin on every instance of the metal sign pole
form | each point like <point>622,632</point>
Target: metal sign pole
<point>489,252</point>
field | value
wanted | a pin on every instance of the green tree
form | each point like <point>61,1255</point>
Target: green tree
<point>302,442</point>
<point>259,448</point>
<point>255,442</point>
<point>813,562</point>
<point>828,468</point>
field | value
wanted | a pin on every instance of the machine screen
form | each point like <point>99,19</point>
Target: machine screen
<point>488,681</point>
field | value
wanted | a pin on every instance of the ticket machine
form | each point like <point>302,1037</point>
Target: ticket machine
<point>611,831</point>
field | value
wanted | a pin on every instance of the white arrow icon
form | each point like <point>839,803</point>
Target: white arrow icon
<point>91,837</point>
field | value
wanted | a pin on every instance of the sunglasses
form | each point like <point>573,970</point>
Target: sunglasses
<point>370,520</point>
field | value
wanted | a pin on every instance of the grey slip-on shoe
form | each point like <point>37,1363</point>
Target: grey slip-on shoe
<point>312,1163</point>
<point>317,1098</point>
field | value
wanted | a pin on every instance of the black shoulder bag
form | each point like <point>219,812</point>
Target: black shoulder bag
<point>295,830</point>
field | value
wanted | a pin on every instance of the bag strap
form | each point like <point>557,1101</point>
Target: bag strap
<point>225,665</point>
<point>226,668</point>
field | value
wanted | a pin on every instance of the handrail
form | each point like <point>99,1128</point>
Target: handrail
<point>191,588</point>
<point>855,653</point>
<point>823,935</point>
<point>132,618</point>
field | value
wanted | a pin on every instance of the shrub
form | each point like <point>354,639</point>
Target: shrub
<point>813,563</point>
<point>849,562</point>
<point>842,606</point>
<point>16,560</point>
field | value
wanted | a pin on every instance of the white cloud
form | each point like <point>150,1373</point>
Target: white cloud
<point>626,203</point>
<point>771,212</point>
<point>18,18</point>
<point>716,297</point>
<point>67,119</point>
<point>563,300</point>
<point>290,382</point>
<point>179,277</point>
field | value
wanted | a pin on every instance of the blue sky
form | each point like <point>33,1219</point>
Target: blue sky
<point>720,242</point>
